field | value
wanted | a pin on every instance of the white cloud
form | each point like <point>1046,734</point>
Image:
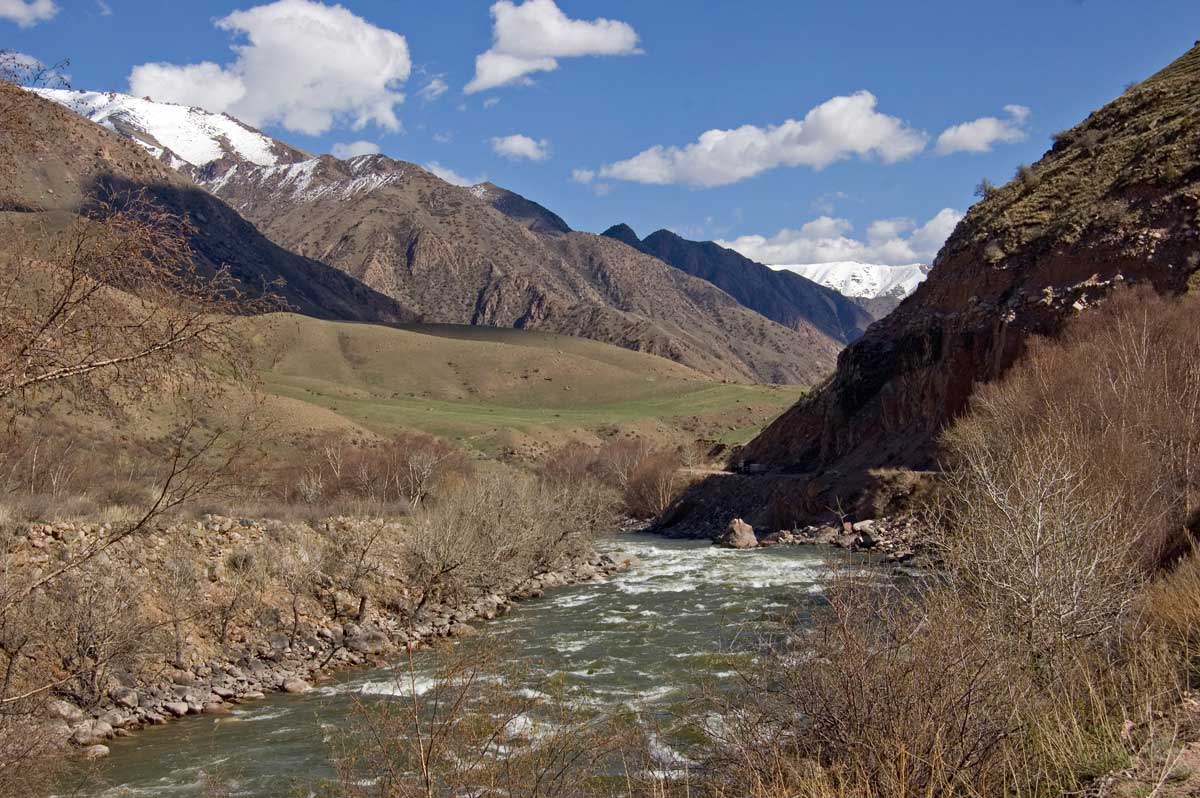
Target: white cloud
<point>828,240</point>
<point>836,129</point>
<point>305,65</point>
<point>518,146</point>
<point>435,88</point>
<point>532,36</point>
<point>442,138</point>
<point>27,13</point>
<point>104,8</point>
<point>353,149</point>
<point>451,176</point>
<point>205,85</point>
<point>491,102</point>
<point>584,176</point>
<point>980,134</point>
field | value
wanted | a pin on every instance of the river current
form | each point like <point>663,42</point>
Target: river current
<point>638,641</point>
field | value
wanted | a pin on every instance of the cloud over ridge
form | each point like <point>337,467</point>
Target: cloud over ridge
<point>304,65</point>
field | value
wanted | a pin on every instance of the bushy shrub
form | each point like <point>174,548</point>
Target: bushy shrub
<point>648,478</point>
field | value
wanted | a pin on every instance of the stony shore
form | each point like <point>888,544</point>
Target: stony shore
<point>896,540</point>
<point>273,665</point>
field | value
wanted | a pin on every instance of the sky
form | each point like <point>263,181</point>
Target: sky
<point>794,131</point>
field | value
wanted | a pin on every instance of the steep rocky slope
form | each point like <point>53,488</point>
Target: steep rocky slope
<point>450,253</point>
<point>55,164</point>
<point>790,299</point>
<point>1116,201</point>
<point>537,218</point>
<point>481,255</point>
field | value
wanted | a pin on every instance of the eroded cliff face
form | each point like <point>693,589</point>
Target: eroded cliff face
<point>1115,201</point>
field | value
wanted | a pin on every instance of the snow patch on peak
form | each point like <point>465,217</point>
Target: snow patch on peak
<point>480,191</point>
<point>192,135</point>
<point>863,280</point>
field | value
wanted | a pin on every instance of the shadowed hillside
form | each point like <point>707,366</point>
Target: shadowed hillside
<point>73,164</point>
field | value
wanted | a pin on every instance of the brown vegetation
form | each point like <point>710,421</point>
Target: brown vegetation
<point>648,479</point>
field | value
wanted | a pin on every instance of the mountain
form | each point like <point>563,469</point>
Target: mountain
<point>1116,201</point>
<point>536,217</point>
<point>792,300</point>
<point>181,136</point>
<point>450,253</point>
<point>62,164</point>
<point>481,256</point>
<point>876,287</point>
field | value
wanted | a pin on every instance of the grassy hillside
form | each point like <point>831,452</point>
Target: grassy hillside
<point>499,391</point>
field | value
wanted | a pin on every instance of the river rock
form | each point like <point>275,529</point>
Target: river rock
<point>296,686</point>
<point>91,732</point>
<point>64,710</point>
<point>367,641</point>
<point>176,708</point>
<point>739,535</point>
<point>95,751</point>
<point>125,697</point>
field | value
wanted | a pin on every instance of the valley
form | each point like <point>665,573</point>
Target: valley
<point>512,392</point>
<point>343,455</point>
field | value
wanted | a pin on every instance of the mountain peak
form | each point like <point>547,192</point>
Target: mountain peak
<point>179,135</point>
<point>623,233</point>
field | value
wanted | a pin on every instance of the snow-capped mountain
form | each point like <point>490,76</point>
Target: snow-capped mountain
<point>179,135</point>
<point>863,280</point>
<point>877,287</point>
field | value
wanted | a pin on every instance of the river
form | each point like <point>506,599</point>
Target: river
<point>636,641</point>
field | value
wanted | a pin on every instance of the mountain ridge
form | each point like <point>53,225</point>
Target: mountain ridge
<point>786,298</point>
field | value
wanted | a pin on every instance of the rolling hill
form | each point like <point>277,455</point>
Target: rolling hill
<point>498,391</point>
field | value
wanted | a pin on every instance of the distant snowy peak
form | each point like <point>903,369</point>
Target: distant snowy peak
<point>864,280</point>
<point>177,134</point>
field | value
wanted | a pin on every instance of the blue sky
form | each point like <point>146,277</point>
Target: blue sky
<point>589,96</point>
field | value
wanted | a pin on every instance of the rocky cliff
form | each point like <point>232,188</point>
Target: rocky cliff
<point>1115,201</point>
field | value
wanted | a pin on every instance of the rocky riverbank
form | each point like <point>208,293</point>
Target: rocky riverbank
<point>262,658</point>
<point>896,540</point>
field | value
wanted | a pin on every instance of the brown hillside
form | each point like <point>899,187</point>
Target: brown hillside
<point>1117,200</point>
<point>448,253</point>
<point>60,165</point>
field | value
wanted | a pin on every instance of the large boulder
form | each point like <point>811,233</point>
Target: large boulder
<point>739,535</point>
<point>91,732</point>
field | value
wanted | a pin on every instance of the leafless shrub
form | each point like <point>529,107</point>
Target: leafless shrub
<point>648,479</point>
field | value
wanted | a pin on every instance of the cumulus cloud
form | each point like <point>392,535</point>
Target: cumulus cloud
<point>584,176</point>
<point>839,128</point>
<point>980,134</point>
<point>435,88</point>
<point>491,102</point>
<point>532,36</point>
<point>27,13</point>
<point>451,176</point>
<point>518,147</point>
<point>354,148</point>
<point>304,65</point>
<point>827,239</point>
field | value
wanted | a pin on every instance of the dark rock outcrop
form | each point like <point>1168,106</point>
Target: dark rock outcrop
<point>1116,201</point>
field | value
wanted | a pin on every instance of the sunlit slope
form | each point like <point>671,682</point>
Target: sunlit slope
<point>497,389</point>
